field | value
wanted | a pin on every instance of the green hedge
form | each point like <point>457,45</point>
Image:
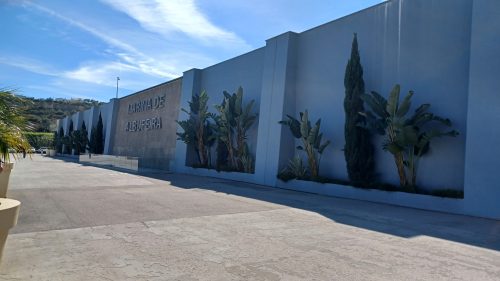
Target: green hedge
<point>38,140</point>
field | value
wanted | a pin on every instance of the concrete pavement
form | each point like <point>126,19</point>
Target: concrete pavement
<point>86,223</point>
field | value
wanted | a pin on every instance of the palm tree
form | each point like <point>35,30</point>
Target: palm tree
<point>12,124</point>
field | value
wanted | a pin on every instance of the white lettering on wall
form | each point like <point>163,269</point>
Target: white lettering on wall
<point>147,104</point>
<point>147,124</point>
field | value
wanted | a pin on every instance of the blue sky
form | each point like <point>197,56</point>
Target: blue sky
<point>76,49</point>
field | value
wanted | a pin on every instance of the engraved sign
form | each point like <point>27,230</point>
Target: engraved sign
<point>147,104</point>
<point>143,125</point>
<point>147,124</point>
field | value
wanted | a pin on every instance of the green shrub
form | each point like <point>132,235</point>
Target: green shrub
<point>294,170</point>
<point>38,140</point>
<point>406,138</point>
<point>311,139</point>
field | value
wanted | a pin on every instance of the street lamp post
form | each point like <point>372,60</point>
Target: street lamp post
<point>117,79</point>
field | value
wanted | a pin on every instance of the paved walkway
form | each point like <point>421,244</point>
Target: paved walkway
<point>86,223</point>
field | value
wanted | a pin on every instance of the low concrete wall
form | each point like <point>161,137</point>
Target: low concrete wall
<point>123,162</point>
<point>418,201</point>
<point>412,200</point>
<point>244,177</point>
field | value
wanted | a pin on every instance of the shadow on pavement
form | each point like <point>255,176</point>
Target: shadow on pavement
<point>389,219</point>
<point>393,220</point>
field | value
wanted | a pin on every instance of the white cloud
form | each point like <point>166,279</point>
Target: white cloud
<point>166,17</point>
<point>101,35</point>
<point>101,73</point>
<point>30,65</point>
<point>146,60</point>
<point>128,60</point>
<point>164,66</point>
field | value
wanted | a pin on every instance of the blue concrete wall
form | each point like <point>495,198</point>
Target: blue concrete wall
<point>190,86</point>
<point>278,99</point>
<point>445,50</point>
<point>108,113</point>
<point>482,184</point>
<point>422,45</point>
<point>91,117</point>
<point>244,71</point>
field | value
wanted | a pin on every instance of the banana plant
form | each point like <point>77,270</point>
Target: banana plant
<point>224,127</point>
<point>311,139</point>
<point>244,120</point>
<point>232,124</point>
<point>197,128</point>
<point>420,120</point>
<point>406,138</point>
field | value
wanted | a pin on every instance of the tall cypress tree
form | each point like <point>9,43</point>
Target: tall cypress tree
<point>84,141</point>
<point>99,136</point>
<point>358,148</point>
<point>93,142</point>
<point>60,139</point>
<point>69,139</point>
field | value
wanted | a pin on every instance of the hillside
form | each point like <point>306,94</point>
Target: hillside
<point>43,113</point>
